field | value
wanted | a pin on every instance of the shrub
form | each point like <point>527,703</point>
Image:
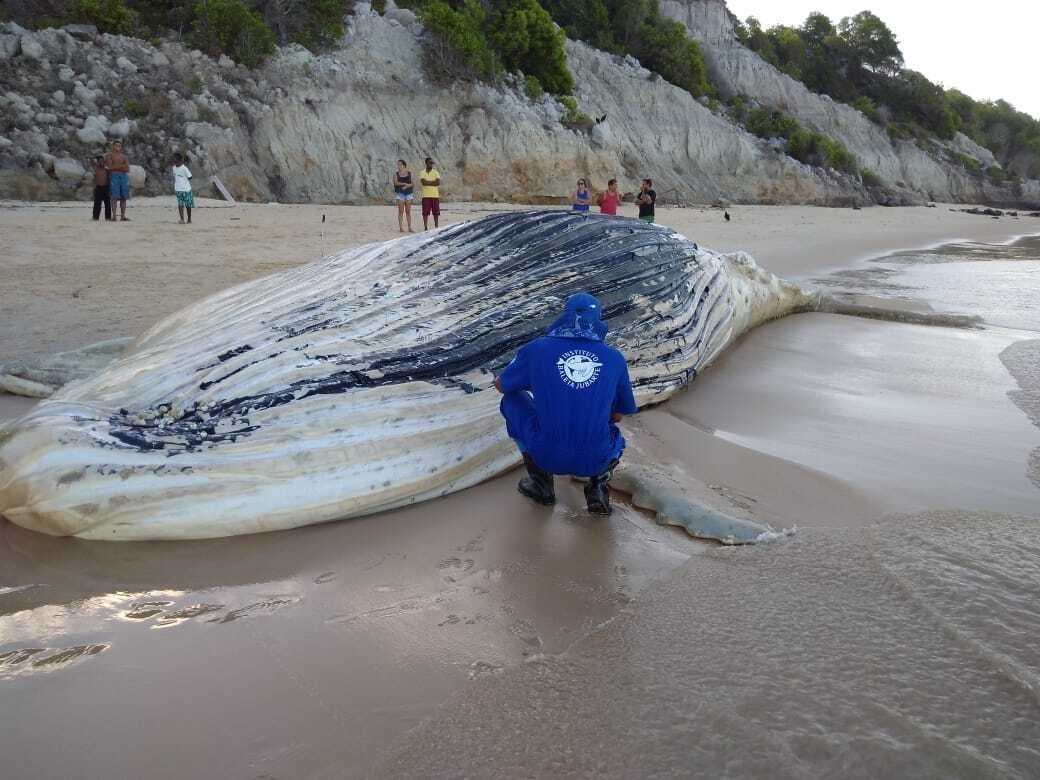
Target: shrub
<point>868,108</point>
<point>533,87</point>
<point>767,123</point>
<point>229,27</point>
<point>738,109</point>
<point>996,174</point>
<point>458,48</point>
<point>110,16</point>
<point>663,46</point>
<point>311,23</point>
<point>870,179</point>
<point>967,162</point>
<point>135,109</point>
<point>525,38</point>
<point>836,155</point>
<point>573,116</point>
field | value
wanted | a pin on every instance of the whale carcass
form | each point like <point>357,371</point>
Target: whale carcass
<point>362,381</point>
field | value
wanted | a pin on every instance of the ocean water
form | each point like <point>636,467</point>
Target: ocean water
<point>903,647</point>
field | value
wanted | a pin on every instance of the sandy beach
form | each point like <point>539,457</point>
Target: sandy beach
<point>381,646</point>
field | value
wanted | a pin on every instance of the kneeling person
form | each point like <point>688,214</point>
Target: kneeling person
<point>562,395</point>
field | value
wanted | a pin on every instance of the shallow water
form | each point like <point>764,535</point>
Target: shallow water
<point>904,649</point>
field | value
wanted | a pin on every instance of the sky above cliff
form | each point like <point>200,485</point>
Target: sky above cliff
<point>987,50</point>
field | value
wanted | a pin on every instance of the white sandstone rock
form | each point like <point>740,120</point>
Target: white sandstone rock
<point>84,94</point>
<point>68,170</point>
<point>120,129</point>
<point>138,176</point>
<point>9,46</point>
<point>91,135</point>
<point>31,47</point>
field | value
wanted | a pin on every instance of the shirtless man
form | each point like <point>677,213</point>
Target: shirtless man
<point>118,167</point>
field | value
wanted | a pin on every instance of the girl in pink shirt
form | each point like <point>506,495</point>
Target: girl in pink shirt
<point>610,200</point>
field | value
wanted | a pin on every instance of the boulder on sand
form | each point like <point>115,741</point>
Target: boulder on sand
<point>138,176</point>
<point>69,171</point>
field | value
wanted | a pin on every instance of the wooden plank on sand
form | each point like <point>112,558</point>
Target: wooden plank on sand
<point>224,191</point>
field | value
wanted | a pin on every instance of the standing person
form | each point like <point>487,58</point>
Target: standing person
<point>646,200</point>
<point>101,189</point>
<point>430,179</point>
<point>561,397</point>
<point>182,187</point>
<point>403,188</point>
<point>610,200</point>
<point>580,198</point>
<point>118,167</point>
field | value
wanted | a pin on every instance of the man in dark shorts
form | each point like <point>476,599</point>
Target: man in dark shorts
<point>562,396</point>
<point>101,189</point>
<point>430,179</point>
<point>646,200</point>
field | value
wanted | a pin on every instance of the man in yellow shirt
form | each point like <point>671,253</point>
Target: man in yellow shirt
<point>430,179</point>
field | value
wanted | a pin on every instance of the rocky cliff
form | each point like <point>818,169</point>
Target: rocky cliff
<point>329,127</point>
<point>928,170</point>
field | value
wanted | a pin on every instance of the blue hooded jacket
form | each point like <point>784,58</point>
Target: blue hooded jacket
<point>560,391</point>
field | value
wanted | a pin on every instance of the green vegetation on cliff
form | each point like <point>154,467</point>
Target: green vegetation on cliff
<point>636,27</point>
<point>485,39</point>
<point>801,144</point>
<point>859,61</point>
<point>245,30</point>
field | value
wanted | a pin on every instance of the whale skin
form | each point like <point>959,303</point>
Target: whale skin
<point>362,381</point>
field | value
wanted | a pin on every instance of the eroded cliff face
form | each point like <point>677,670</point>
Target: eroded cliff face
<point>328,128</point>
<point>924,172</point>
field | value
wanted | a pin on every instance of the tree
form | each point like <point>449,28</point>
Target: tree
<point>229,27</point>
<point>790,48</point>
<point>111,16</point>
<point>817,29</point>
<point>525,38</point>
<point>663,46</point>
<point>871,44</point>
<point>584,20</point>
<point>312,23</point>
<point>459,48</point>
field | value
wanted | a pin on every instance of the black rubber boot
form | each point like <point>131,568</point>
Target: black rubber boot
<point>538,484</point>
<point>597,492</point>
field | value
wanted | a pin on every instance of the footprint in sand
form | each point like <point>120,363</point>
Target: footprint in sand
<point>456,566</point>
<point>265,607</point>
<point>145,610</point>
<point>14,662</point>
<point>476,544</point>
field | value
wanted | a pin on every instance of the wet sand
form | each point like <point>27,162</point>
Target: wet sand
<point>311,653</point>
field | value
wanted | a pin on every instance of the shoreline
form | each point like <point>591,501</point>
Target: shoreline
<point>360,630</point>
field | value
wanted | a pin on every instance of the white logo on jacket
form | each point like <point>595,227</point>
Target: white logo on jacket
<point>578,368</point>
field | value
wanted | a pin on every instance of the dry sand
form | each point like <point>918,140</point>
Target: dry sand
<point>68,281</point>
<point>308,653</point>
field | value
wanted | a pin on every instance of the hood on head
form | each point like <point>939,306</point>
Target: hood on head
<point>580,319</point>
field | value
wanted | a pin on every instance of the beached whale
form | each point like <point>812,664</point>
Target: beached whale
<point>362,381</point>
